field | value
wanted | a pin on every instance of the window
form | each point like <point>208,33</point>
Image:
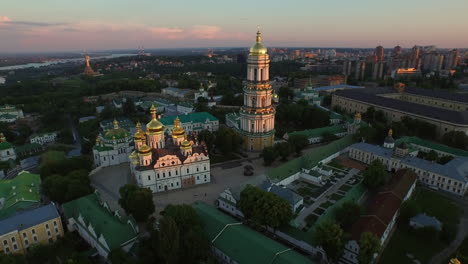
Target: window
<point>177,183</point>
<point>158,175</point>
<point>176,173</point>
<point>15,247</point>
<point>46,225</point>
<point>26,242</point>
<point>187,170</point>
<point>198,177</point>
<point>48,233</point>
<point>172,184</point>
<point>24,234</point>
<point>55,223</point>
<point>198,169</point>
<point>7,250</point>
<point>13,239</point>
<point>5,242</point>
<point>169,174</point>
<point>149,178</point>
<point>35,238</point>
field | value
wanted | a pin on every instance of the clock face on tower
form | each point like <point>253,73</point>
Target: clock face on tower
<point>257,122</point>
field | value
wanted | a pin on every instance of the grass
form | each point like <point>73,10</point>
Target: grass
<point>52,156</point>
<point>326,204</point>
<point>336,196</point>
<point>345,188</point>
<point>310,219</point>
<point>402,242</point>
<point>335,163</point>
<point>215,158</point>
<point>319,211</point>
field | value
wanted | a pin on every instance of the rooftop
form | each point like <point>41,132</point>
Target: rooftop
<point>432,145</point>
<point>19,193</point>
<point>195,117</point>
<point>29,218</point>
<point>117,231</point>
<point>318,132</point>
<point>371,96</point>
<point>241,243</point>
<point>309,159</point>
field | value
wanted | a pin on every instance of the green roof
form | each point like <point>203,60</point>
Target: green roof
<point>309,159</point>
<point>432,145</point>
<point>116,231</point>
<point>318,132</point>
<point>5,145</point>
<point>118,133</point>
<point>19,193</point>
<point>196,117</point>
<point>241,243</point>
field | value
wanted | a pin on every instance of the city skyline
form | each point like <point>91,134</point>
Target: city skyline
<point>56,26</point>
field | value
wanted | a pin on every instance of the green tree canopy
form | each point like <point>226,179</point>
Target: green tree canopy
<point>329,235</point>
<point>269,155</point>
<point>207,137</point>
<point>298,142</point>
<point>347,214</point>
<point>136,201</point>
<point>369,244</point>
<point>375,175</point>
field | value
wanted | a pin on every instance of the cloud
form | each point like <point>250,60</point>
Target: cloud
<point>4,19</point>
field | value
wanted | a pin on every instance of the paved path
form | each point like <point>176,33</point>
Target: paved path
<point>461,234</point>
<point>323,197</point>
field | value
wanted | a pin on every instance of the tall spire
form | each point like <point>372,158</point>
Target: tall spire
<point>259,36</point>
<point>153,112</point>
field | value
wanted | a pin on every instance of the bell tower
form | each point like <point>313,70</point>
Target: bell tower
<point>257,115</point>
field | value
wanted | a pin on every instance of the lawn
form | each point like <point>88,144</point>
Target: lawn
<point>434,204</point>
<point>345,188</point>
<point>336,197</point>
<point>52,156</point>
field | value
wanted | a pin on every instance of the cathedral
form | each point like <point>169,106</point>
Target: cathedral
<point>163,163</point>
<point>112,146</point>
<point>257,115</point>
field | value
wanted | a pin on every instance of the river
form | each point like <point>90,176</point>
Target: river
<point>48,63</point>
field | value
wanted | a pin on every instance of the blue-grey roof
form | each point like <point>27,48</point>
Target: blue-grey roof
<point>29,218</point>
<point>339,86</point>
<point>426,221</point>
<point>456,169</point>
<point>291,197</point>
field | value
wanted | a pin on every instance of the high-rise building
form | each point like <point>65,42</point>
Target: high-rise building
<point>452,60</point>
<point>378,70</point>
<point>415,58</point>
<point>360,71</point>
<point>397,50</point>
<point>379,53</point>
<point>257,115</point>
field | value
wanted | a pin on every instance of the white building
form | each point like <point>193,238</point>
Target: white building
<point>162,164</point>
<point>177,92</point>
<point>193,122</point>
<point>43,138</point>
<point>112,146</point>
<point>451,177</point>
<point>200,93</point>
<point>7,150</point>
<point>9,113</point>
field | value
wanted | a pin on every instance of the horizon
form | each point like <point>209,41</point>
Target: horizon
<point>54,26</point>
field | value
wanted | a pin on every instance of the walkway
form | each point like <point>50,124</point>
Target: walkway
<point>323,197</point>
<point>462,232</point>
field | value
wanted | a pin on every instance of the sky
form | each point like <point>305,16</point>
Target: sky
<point>77,25</point>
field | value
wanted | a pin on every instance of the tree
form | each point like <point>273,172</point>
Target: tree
<point>347,214</point>
<point>285,93</point>
<point>298,142</point>
<point>408,209</point>
<point>432,155</point>
<point>284,150</point>
<point>327,136</point>
<point>207,137</point>
<point>69,187</point>
<point>264,208</point>
<point>456,139</point>
<point>118,256</point>
<point>129,107</point>
<point>201,105</point>
<point>169,234</point>
<point>12,259</point>
<point>149,249</point>
<point>228,140</point>
<point>329,235</point>
<point>375,175</point>
<point>369,244</point>
<point>269,155</point>
<point>136,201</point>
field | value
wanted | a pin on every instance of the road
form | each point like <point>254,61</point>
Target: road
<point>323,197</point>
<point>442,256</point>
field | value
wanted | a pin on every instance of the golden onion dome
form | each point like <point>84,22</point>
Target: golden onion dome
<point>139,134</point>
<point>186,144</point>
<point>154,126</point>
<point>144,150</point>
<point>133,155</point>
<point>177,131</point>
<point>357,116</point>
<point>258,48</point>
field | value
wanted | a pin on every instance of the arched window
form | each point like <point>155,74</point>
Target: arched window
<point>253,101</point>
<point>255,74</point>
<point>261,75</point>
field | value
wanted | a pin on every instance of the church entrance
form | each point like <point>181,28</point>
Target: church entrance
<point>165,187</point>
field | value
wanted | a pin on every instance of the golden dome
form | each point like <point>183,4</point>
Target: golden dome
<point>154,126</point>
<point>390,132</point>
<point>258,48</point>
<point>133,155</point>
<point>2,138</point>
<point>139,134</point>
<point>357,116</point>
<point>185,144</point>
<point>454,261</point>
<point>177,131</point>
<point>144,150</point>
